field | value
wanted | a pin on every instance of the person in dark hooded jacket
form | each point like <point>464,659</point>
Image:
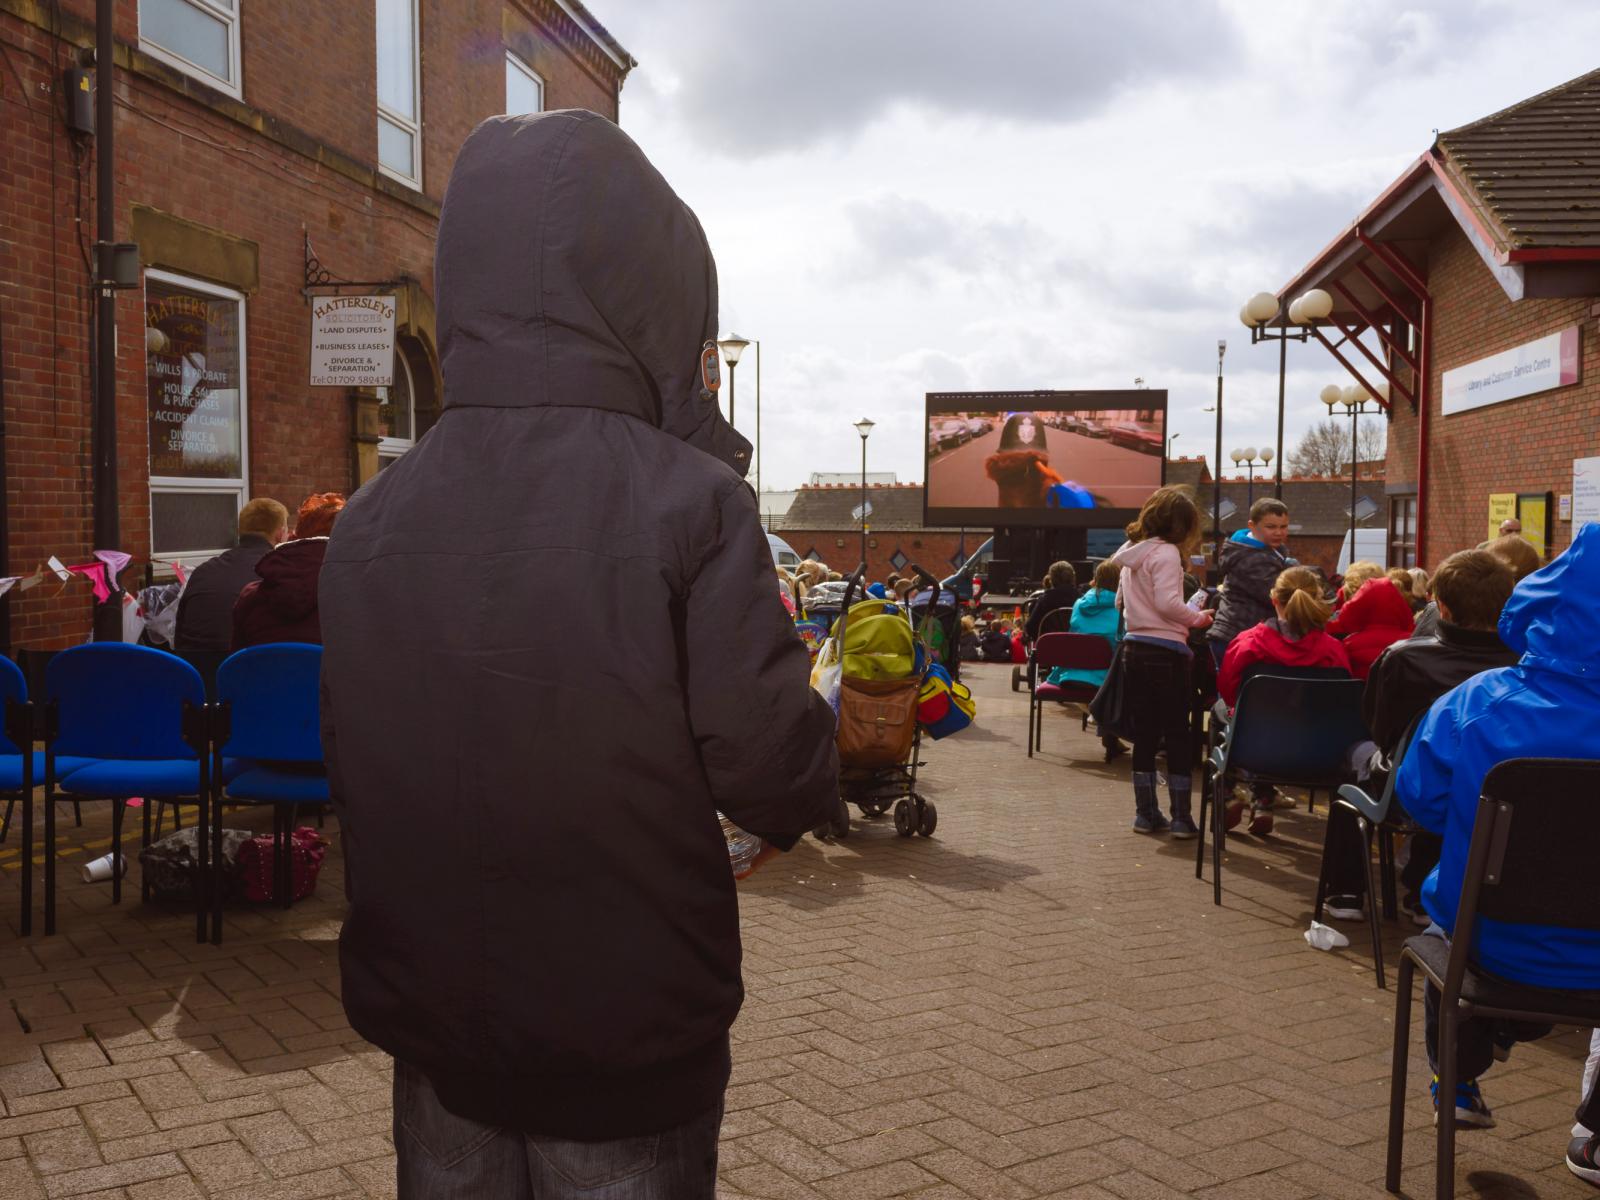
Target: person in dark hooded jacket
<point>281,605</point>
<point>553,654</point>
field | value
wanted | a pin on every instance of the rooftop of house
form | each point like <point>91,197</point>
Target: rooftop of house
<point>1534,168</point>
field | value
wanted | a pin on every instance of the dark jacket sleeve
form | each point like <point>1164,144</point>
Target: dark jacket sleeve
<point>765,735</point>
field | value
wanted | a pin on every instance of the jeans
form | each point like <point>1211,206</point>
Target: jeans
<point>1159,691</point>
<point>441,1156</point>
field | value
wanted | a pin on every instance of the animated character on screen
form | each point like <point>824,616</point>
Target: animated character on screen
<point>1021,469</point>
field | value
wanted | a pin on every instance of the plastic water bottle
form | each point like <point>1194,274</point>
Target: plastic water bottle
<point>742,848</point>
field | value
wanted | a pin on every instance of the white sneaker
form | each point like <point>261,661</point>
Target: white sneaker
<point>1343,908</point>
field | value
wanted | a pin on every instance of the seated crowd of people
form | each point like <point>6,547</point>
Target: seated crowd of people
<point>1494,656</point>
<point>264,588</point>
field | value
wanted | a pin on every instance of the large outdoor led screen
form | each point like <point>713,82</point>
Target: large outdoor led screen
<point>1087,459</point>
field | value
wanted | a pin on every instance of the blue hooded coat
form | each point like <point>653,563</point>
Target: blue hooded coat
<point>1548,705</point>
<point>1096,612</point>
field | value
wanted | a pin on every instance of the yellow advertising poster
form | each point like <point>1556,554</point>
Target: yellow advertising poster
<point>1533,510</point>
<point>1502,507</point>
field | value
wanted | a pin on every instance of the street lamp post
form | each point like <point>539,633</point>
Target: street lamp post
<point>1247,459</point>
<point>1170,440</point>
<point>1216,483</point>
<point>864,427</point>
<point>1258,314</point>
<point>1354,399</point>
<point>732,347</point>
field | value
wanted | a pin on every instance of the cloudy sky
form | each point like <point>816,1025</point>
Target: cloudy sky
<point>918,195</point>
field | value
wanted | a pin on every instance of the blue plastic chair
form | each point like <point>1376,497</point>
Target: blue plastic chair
<point>139,717</point>
<point>269,728</point>
<point>1293,732</point>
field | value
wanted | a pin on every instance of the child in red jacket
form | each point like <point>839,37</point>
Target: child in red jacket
<point>1296,637</point>
<point>1371,621</point>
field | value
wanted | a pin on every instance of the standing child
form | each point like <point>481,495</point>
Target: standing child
<point>1156,654</point>
<point>1250,562</point>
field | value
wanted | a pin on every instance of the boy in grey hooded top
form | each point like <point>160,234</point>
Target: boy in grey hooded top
<point>553,652</point>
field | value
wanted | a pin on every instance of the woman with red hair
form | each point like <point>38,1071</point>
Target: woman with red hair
<point>281,606</point>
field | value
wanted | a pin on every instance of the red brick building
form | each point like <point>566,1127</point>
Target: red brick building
<point>1468,291</point>
<point>259,146</point>
<point>823,523</point>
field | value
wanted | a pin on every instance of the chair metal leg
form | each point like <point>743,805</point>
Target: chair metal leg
<point>1031,703</point>
<point>49,861</point>
<point>1218,833</point>
<point>177,815</point>
<point>218,877</point>
<point>1445,1176</point>
<point>5,826</point>
<point>203,881</point>
<point>1391,899</point>
<point>27,864</point>
<point>1372,905</point>
<point>1311,800</point>
<point>1322,871</point>
<point>1397,1073</point>
<point>144,884</point>
<point>77,813</point>
<point>1205,801</point>
<point>118,806</point>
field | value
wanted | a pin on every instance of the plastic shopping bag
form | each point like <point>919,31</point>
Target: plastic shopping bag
<point>827,674</point>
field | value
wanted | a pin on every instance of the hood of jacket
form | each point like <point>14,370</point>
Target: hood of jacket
<point>1137,554</point>
<point>557,242</point>
<point>1237,547</point>
<point>289,577</point>
<point>1552,619</point>
<point>1096,601</point>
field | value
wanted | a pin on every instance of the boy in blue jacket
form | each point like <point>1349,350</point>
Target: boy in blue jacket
<point>1548,705</point>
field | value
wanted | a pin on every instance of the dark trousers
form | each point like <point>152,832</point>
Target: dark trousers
<point>1157,688</point>
<point>441,1156</point>
<point>1477,1037</point>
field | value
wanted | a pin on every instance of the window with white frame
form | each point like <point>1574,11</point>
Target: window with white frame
<point>399,91</point>
<point>397,414</point>
<point>199,37</point>
<point>524,88</point>
<point>195,379</point>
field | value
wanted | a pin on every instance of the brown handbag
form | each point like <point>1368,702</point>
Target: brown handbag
<point>877,721</point>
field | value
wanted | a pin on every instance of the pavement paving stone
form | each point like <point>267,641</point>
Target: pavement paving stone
<point>1034,1004</point>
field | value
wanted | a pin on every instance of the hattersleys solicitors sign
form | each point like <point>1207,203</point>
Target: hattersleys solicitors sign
<point>352,341</point>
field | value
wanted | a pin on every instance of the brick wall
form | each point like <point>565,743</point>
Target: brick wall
<point>933,549</point>
<point>301,156</point>
<point>1519,446</point>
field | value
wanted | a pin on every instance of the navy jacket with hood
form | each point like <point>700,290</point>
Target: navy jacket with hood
<point>1548,705</point>
<point>554,650</point>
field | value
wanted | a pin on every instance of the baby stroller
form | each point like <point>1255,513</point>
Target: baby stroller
<point>936,616</point>
<point>882,664</point>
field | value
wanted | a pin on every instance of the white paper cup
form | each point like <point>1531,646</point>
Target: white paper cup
<point>99,870</point>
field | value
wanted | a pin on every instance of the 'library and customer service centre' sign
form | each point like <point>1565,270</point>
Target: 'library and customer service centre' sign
<point>1537,366</point>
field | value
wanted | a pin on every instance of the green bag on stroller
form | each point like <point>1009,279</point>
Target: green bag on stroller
<point>879,642</point>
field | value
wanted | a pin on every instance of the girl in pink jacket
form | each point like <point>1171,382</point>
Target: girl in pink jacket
<point>1156,654</point>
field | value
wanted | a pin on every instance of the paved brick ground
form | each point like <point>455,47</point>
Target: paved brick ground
<point>1036,1003</point>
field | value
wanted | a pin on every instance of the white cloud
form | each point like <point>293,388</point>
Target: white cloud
<point>906,197</point>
